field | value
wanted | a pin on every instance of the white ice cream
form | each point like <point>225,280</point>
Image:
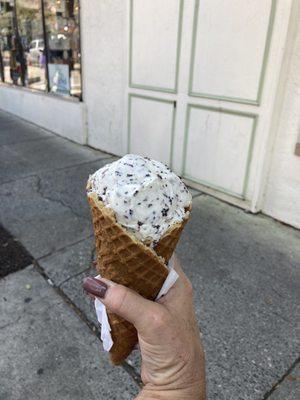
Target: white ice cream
<point>146,196</point>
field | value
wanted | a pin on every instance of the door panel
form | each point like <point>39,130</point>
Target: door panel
<point>216,121</point>
<point>151,127</point>
<point>154,43</point>
<point>218,145</point>
<point>230,39</point>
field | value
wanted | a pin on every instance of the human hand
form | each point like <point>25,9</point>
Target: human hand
<point>171,349</point>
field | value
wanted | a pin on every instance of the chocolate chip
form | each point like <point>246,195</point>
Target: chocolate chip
<point>135,193</point>
<point>130,212</point>
<point>160,177</point>
<point>140,223</point>
<point>100,198</point>
<point>129,175</point>
<point>150,205</point>
<point>164,212</point>
<point>27,299</point>
<point>147,175</point>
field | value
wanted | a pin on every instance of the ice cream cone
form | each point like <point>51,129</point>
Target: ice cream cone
<point>127,261</point>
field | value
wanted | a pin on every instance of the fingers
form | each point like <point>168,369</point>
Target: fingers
<point>181,293</point>
<point>122,301</point>
<point>175,263</point>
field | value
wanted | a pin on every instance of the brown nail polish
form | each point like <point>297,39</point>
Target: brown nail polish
<point>95,287</point>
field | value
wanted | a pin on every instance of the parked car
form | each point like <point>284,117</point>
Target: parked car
<point>36,48</point>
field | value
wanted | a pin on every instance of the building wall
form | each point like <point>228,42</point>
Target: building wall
<point>282,191</point>
<point>65,117</point>
<point>103,33</point>
<point>99,120</point>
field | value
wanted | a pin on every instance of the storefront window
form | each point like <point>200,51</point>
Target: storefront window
<point>40,45</point>
<point>62,32</point>
<point>12,63</point>
<point>30,28</point>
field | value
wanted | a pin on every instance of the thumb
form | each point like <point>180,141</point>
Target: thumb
<point>123,301</point>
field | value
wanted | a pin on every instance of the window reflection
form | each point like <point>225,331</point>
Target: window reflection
<point>30,28</point>
<point>12,60</point>
<point>40,45</point>
<point>62,32</point>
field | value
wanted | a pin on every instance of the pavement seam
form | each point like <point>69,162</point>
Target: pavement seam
<point>53,170</point>
<point>63,248</point>
<point>135,376</point>
<point>25,141</point>
<point>71,277</point>
<point>275,386</point>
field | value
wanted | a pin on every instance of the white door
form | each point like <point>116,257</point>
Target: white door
<point>202,78</point>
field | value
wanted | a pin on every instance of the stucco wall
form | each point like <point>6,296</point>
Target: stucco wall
<point>282,192</point>
<point>103,34</point>
<point>61,116</point>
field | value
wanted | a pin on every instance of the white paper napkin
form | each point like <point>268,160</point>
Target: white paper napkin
<point>106,338</point>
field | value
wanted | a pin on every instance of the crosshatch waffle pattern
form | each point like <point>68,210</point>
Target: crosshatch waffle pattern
<point>127,261</point>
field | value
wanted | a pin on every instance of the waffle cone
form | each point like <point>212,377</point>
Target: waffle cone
<point>127,261</point>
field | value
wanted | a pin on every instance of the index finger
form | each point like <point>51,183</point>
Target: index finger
<point>181,290</point>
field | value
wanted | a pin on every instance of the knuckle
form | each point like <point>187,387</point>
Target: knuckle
<point>118,299</point>
<point>159,319</point>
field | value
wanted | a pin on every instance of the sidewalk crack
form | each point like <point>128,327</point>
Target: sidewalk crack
<point>73,276</point>
<point>275,385</point>
<point>14,322</point>
<point>58,201</point>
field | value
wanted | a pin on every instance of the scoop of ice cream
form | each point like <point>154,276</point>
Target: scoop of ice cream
<point>146,196</point>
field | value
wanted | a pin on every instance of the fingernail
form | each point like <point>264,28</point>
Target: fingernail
<point>95,287</point>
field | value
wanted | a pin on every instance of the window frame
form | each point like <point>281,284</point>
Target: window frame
<point>23,73</point>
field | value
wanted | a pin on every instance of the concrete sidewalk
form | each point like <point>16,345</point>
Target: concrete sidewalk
<point>245,270</point>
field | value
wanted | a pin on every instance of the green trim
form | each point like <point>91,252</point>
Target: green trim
<point>172,134</point>
<point>152,88</point>
<point>131,84</point>
<point>193,48</point>
<point>256,101</point>
<point>249,156</point>
<point>150,98</point>
<point>225,98</point>
<point>130,42</point>
<point>129,123</point>
<point>253,116</point>
<point>215,187</point>
<point>266,51</point>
